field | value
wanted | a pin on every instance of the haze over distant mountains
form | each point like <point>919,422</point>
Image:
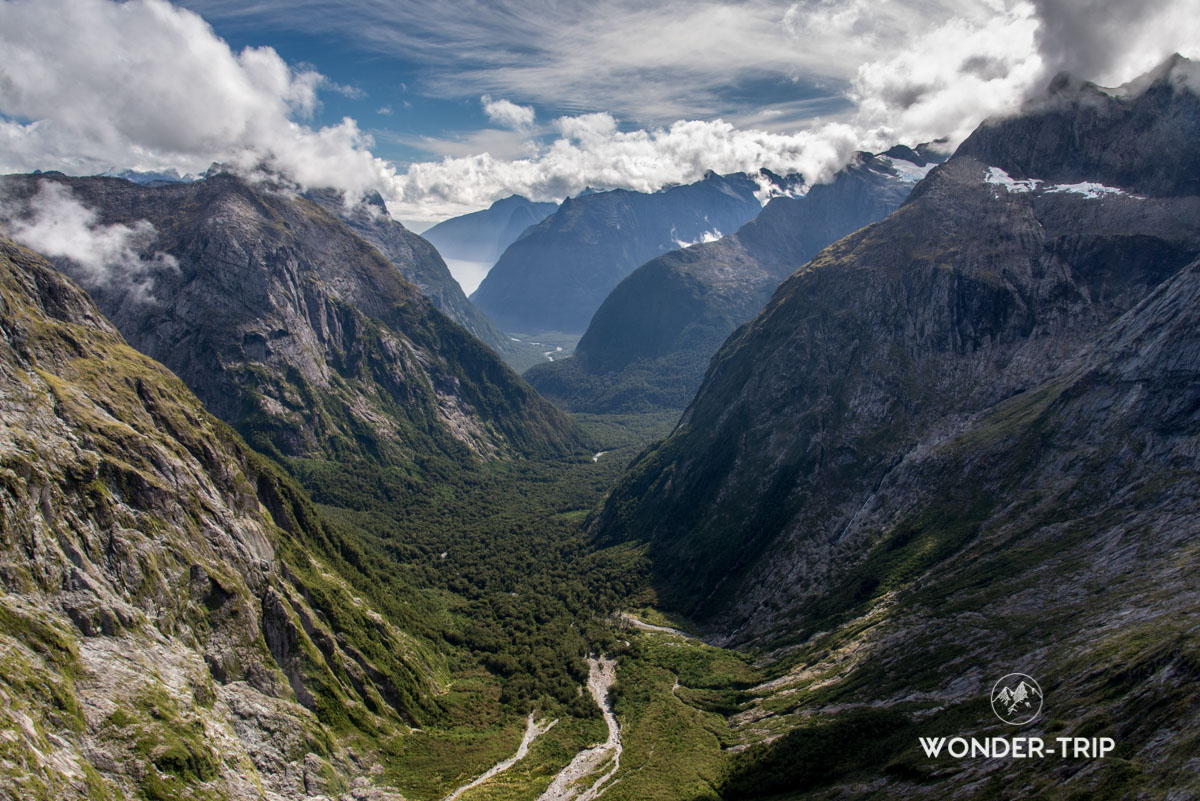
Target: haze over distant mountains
<point>650,341</point>
<point>483,235</point>
<point>558,273</point>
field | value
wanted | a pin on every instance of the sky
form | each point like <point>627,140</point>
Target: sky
<point>444,107</point>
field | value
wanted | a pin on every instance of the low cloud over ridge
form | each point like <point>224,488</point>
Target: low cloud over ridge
<point>57,225</point>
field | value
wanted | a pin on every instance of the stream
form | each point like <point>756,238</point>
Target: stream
<point>567,785</point>
<point>532,732</point>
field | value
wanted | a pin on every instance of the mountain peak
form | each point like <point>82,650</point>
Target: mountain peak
<point>1077,131</point>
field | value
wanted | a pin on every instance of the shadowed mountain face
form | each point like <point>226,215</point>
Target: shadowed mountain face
<point>292,327</point>
<point>650,341</point>
<point>482,236</point>
<point>167,595</point>
<point>557,274</point>
<point>947,361</point>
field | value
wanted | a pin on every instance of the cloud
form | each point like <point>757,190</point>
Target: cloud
<point>506,113</point>
<point>591,151</point>
<point>1111,41</point>
<point>792,85</point>
<point>86,85</point>
<point>624,56</point>
<point>704,238</point>
<point>57,225</point>
<point>953,75</point>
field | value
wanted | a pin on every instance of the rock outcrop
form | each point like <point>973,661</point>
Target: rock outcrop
<point>417,260</point>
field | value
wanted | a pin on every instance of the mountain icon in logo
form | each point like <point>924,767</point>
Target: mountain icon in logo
<point>1016,699</point>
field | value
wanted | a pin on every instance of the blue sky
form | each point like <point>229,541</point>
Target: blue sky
<point>424,101</point>
<point>444,107</point>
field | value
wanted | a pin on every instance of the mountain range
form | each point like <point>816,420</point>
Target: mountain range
<point>555,276</point>
<point>650,341</point>
<point>274,526</point>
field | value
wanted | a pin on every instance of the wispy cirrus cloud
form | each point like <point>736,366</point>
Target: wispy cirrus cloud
<point>648,63</point>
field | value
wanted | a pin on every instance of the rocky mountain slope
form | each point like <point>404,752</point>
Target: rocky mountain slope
<point>482,236</point>
<point>651,339</point>
<point>962,442</point>
<point>557,274</point>
<point>289,325</point>
<point>417,261</point>
<point>177,620</point>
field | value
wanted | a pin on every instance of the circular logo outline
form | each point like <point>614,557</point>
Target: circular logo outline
<point>1019,721</point>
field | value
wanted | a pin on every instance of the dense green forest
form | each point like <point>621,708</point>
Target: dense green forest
<point>507,580</point>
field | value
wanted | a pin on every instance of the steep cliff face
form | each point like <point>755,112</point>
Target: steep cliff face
<point>293,328</point>
<point>176,621</point>
<point>650,341</point>
<point>837,434</point>
<point>555,276</point>
<point>417,260</point>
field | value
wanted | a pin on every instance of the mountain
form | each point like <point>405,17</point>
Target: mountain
<point>417,261</point>
<point>558,273</point>
<point>286,323</point>
<point>980,296</point>
<point>961,442</point>
<point>177,619</point>
<point>482,236</point>
<point>651,339</point>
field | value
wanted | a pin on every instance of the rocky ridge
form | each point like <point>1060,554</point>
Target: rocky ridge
<point>417,260</point>
<point>166,594</point>
<point>296,330</point>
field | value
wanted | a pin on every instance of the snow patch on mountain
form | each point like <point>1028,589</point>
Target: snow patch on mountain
<point>908,172</point>
<point>999,177</point>
<point>1090,190</point>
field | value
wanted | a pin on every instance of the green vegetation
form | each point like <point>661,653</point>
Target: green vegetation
<point>486,569</point>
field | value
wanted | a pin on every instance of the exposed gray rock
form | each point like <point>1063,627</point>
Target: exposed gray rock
<point>142,582</point>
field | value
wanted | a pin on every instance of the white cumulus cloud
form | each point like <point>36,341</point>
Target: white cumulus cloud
<point>506,113</point>
<point>86,85</point>
<point>593,152</point>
